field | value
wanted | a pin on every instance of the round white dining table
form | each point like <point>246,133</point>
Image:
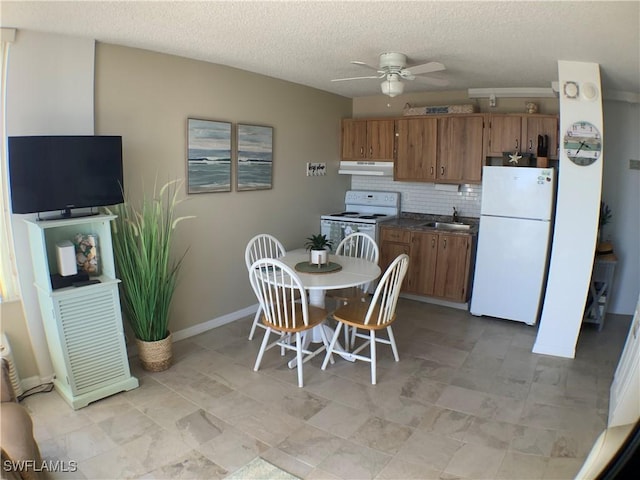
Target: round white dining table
<point>354,272</point>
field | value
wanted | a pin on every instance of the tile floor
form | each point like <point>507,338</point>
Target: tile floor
<point>468,400</point>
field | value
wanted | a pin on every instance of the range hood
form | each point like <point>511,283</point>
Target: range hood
<point>378,169</point>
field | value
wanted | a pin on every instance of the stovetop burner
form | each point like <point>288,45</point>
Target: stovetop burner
<point>367,207</point>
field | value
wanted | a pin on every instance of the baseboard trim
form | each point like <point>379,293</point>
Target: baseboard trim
<point>34,381</point>
<point>435,301</point>
<point>194,330</point>
<point>215,322</point>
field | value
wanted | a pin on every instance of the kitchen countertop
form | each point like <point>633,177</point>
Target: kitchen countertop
<point>415,221</point>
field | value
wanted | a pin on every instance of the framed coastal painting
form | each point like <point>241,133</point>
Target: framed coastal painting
<point>208,156</point>
<point>255,157</point>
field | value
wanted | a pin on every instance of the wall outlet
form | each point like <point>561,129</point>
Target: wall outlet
<point>634,164</point>
<point>316,169</point>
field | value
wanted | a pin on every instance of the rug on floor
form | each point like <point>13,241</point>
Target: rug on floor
<point>260,469</point>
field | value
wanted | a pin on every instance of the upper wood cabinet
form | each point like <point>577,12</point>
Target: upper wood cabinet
<point>368,139</point>
<point>519,132</point>
<point>416,149</point>
<point>445,149</point>
<point>461,148</point>
<point>541,125</point>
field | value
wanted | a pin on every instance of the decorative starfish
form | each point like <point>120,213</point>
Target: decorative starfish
<point>514,158</point>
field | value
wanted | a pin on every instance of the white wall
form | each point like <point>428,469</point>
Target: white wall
<point>49,92</point>
<point>621,191</point>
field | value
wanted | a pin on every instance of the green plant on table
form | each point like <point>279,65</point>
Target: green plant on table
<point>142,238</point>
<point>318,242</point>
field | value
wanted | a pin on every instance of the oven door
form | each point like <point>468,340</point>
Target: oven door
<point>336,230</point>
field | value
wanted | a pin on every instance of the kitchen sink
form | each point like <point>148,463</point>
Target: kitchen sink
<point>447,225</point>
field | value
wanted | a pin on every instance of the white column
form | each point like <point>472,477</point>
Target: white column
<point>576,220</point>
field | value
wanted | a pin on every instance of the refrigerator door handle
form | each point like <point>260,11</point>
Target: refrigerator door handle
<point>516,218</point>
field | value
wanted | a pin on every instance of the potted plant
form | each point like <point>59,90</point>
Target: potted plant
<point>319,247</point>
<point>142,237</point>
<point>605,217</point>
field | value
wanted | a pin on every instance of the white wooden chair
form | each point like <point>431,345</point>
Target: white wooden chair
<point>277,287</point>
<point>261,246</point>
<point>358,245</point>
<point>372,315</point>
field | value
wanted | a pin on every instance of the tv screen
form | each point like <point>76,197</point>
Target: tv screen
<point>49,173</point>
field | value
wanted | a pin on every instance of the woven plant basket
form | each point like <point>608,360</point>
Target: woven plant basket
<point>155,356</point>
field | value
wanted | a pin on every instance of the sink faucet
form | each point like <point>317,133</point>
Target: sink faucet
<point>455,215</point>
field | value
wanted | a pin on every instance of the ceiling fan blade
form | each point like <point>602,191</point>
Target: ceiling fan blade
<point>439,82</point>
<point>356,78</point>
<point>426,68</point>
<point>362,64</point>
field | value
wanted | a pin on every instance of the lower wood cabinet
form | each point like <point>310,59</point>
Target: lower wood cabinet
<point>439,262</point>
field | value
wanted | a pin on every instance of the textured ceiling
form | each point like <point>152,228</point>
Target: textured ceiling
<point>482,44</point>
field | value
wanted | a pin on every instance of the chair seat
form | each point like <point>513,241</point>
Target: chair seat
<point>316,316</point>
<point>354,315</point>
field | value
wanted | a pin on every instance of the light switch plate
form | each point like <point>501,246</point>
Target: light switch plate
<point>316,169</point>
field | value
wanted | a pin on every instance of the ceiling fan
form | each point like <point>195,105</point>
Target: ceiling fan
<point>393,68</point>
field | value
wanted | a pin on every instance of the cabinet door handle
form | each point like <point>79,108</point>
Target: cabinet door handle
<point>362,151</point>
<point>517,145</point>
<point>442,170</point>
<point>444,243</point>
<point>530,145</point>
<point>433,242</point>
<point>431,171</point>
<point>370,151</point>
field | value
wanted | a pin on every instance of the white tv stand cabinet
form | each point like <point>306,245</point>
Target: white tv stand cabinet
<point>83,325</point>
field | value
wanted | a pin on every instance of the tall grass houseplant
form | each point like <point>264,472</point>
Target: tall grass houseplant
<point>142,238</point>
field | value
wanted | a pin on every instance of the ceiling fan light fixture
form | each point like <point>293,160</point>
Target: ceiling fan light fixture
<point>392,86</point>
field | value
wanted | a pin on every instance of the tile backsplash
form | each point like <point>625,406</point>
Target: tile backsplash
<point>425,197</point>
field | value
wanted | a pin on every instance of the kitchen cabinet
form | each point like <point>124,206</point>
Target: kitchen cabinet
<point>452,267</point>
<point>394,241</point>
<point>439,263</point>
<point>519,132</point>
<point>416,149</point>
<point>424,255</point>
<point>460,148</point>
<point>368,139</point>
<point>447,149</point>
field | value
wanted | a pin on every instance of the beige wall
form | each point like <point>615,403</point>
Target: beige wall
<point>147,97</point>
<point>15,327</point>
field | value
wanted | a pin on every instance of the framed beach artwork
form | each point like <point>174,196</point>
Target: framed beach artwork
<point>208,156</point>
<point>255,157</point>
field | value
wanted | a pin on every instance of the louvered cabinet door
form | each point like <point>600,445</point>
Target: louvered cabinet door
<point>91,334</point>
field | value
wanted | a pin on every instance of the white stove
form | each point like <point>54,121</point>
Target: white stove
<point>363,211</point>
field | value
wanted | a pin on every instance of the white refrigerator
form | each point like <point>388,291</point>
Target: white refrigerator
<point>516,217</point>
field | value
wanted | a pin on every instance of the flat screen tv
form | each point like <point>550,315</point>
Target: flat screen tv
<point>48,173</point>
